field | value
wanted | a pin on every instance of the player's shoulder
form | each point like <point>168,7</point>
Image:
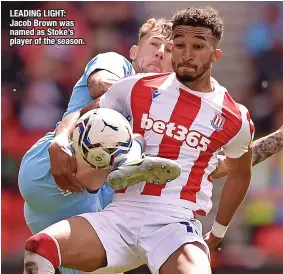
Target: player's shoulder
<point>153,76</point>
<point>115,55</point>
<point>245,115</point>
<point>237,118</point>
<point>229,103</point>
<point>143,78</point>
<point>243,109</point>
<point>240,113</point>
<point>111,61</point>
<point>132,79</point>
<point>111,56</point>
<point>239,110</point>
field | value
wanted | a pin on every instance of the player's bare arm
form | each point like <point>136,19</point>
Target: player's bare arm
<point>234,192</point>
<point>70,172</point>
<point>67,125</point>
<point>92,105</point>
<point>100,81</point>
<point>266,146</point>
<point>262,149</point>
<point>63,164</point>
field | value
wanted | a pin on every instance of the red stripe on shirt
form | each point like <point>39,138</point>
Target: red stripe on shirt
<point>184,113</point>
<point>231,127</point>
<point>141,99</point>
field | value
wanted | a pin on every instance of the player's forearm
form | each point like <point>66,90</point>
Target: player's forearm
<point>221,169</point>
<point>233,194</point>
<point>235,188</point>
<point>263,148</point>
<point>266,146</point>
<point>92,105</point>
<point>99,82</point>
<point>66,127</point>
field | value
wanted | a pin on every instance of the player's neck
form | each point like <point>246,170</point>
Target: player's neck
<point>202,84</point>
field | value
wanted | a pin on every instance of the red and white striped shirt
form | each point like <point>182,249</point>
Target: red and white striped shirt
<point>184,125</point>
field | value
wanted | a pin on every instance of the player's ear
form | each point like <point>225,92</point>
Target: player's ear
<point>133,52</point>
<point>216,55</point>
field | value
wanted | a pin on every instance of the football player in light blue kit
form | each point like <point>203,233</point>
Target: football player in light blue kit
<point>45,203</point>
<point>36,182</point>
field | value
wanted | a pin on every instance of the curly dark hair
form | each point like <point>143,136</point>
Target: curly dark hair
<point>200,17</point>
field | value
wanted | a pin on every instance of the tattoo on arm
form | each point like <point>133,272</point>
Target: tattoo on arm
<point>266,146</point>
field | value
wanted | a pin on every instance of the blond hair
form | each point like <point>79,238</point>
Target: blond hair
<point>160,24</point>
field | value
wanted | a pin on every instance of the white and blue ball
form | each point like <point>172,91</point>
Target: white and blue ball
<point>102,137</point>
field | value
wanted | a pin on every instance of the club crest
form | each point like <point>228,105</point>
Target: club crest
<point>218,121</point>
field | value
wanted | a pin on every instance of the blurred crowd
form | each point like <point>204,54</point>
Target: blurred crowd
<point>264,43</point>
<point>37,82</point>
<point>263,211</point>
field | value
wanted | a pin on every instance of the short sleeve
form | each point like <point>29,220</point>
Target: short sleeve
<point>119,95</point>
<point>110,61</point>
<point>242,141</point>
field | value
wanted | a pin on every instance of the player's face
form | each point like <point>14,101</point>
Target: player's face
<point>194,50</point>
<point>153,54</point>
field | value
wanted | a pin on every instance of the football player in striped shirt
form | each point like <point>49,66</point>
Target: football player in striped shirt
<point>155,224</point>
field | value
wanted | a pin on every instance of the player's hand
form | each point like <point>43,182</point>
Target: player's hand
<point>64,168</point>
<point>221,169</point>
<point>211,240</point>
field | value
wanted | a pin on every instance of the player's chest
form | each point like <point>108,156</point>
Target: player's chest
<point>182,118</point>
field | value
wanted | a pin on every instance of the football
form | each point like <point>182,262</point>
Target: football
<point>102,137</point>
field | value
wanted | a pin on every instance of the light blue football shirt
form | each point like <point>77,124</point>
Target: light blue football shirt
<point>44,204</point>
<point>110,61</point>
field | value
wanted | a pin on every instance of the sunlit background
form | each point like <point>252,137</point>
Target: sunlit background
<point>37,82</point>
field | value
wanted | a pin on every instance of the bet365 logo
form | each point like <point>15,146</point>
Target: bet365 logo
<point>193,139</point>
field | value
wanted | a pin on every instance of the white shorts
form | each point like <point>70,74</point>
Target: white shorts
<point>135,233</point>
